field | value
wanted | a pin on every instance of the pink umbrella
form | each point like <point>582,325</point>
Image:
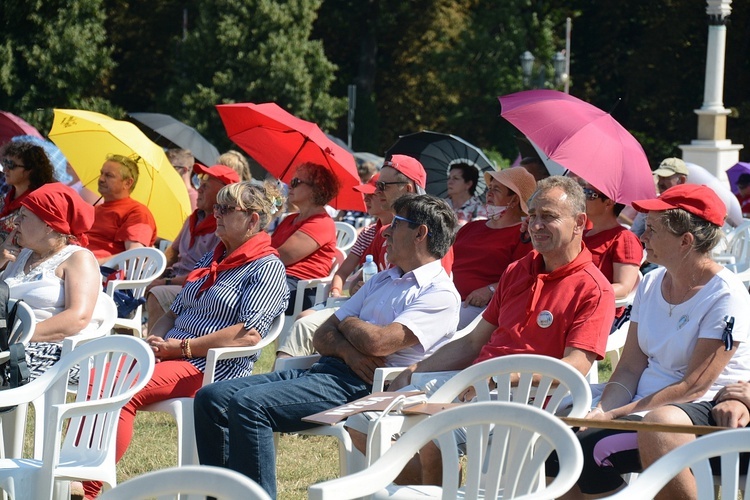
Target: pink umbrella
<point>280,142</point>
<point>572,134</point>
<point>11,126</point>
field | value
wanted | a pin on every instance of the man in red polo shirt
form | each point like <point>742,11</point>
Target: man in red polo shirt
<point>553,302</point>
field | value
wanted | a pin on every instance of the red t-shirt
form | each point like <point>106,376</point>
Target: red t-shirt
<point>482,254</point>
<point>379,256</point>
<point>538,313</point>
<point>319,227</point>
<point>118,221</point>
<point>617,245</point>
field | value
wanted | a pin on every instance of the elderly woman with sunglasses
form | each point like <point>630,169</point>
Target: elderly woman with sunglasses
<point>26,167</point>
<point>306,240</point>
<point>230,299</point>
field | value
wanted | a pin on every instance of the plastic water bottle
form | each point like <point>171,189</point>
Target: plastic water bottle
<point>370,269</point>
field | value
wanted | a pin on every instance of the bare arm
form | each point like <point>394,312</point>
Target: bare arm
<point>297,247</point>
<point>343,272</point>
<point>706,363</point>
<point>82,283</point>
<point>455,355</point>
<point>232,336</point>
<point>624,278</point>
<point>329,341</point>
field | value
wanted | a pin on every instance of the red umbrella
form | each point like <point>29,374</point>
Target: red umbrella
<point>11,126</point>
<point>280,142</point>
<point>572,134</point>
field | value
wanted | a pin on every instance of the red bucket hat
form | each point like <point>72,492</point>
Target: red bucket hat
<point>699,200</point>
<point>62,209</point>
<point>222,173</point>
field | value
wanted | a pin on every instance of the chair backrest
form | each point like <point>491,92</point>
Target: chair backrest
<point>725,444</point>
<point>508,463</point>
<point>217,482</point>
<point>346,235</point>
<point>23,329</point>
<point>106,311</point>
<point>141,267</point>
<point>556,381</point>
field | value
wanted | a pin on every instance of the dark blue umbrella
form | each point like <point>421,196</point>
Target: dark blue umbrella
<point>171,133</point>
<point>437,152</point>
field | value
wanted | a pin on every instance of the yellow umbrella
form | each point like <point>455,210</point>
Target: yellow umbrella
<point>86,138</point>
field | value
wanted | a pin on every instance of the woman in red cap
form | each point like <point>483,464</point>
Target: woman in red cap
<point>687,337</point>
<point>53,273</point>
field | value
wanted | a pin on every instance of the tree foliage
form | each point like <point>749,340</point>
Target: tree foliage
<point>54,54</point>
<point>256,51</point>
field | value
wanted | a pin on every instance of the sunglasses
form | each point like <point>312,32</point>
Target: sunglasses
<point>225,209</point>
<point>381,185</point>
<point>297,181</point>
<point>398,218</point>
<point>9,164</point>
<point>591,195</point>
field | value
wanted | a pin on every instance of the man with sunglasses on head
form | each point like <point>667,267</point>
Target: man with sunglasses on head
<point>120,223</point>
<point>192,242</point>
<point>401,316</point>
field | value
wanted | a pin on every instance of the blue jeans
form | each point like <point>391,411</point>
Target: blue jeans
<point>235,419</point>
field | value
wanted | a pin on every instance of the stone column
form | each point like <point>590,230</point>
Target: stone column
<point>712,150</point>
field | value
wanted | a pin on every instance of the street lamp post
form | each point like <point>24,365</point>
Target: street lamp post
<point>559,64</point>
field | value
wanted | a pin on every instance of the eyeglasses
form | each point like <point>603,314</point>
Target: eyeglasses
<point>591,195</point>
<point>225,209</point>
<point>381,185</point>
<point>181,170</point>
<point>398,218</point>
<point>297,181</point>
<point>9,164</point>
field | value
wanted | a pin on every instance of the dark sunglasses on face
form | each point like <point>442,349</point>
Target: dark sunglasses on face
<point>398,218</point>
<point>381,185</point>
<point>297,181</point>
<point>590,194</point>
<point>9,164</point>
<point>225,209</point>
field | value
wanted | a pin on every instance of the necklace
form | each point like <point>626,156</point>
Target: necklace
<point>693,282</point>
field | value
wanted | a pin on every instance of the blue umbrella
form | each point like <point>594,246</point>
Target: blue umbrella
<point>56,157</point>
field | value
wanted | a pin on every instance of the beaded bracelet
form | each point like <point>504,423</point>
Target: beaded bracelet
<point>187,349</point>
<point>183,345</point>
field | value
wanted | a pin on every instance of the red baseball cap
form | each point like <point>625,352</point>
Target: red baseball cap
<point>699,200</point>
<point>222,173</point>
<point>410,167</point>
<point>368,188</point>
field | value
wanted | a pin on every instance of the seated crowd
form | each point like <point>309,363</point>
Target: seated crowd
<point>539,265</point>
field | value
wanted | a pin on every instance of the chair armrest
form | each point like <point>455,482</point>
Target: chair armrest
<point>296,363</point>
<point>70,343</point>
<point>216,354</point>
<point>383,375</point>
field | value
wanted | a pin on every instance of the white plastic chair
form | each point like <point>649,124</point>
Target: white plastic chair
<point>141,266</point>
<point>506,465</point>
<point>113,369</point>
<point>346,235</point>
<point>107,311</point>
<point>182,408</point>
<point>725,444</point>
<point>217,482</point>
<point>545,382</point>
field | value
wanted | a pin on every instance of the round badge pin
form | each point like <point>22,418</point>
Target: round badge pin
<point>544,320</point>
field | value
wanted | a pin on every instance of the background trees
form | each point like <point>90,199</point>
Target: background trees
<point>422,64</point>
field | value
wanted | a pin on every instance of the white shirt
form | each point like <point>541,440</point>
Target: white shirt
<point>423,300</point>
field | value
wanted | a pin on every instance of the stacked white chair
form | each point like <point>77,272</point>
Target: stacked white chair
<point>141,267</point>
